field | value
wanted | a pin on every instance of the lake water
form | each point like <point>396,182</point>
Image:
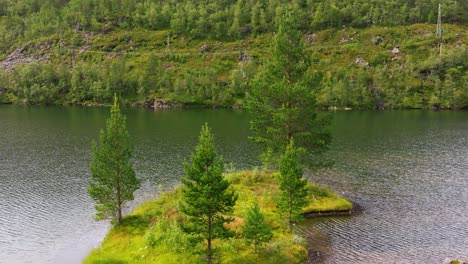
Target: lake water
<point>407,169</point>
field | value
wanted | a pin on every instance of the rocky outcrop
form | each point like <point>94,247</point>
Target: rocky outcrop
<point>162,104</point>
<point>23,56</point>
<point>361,61</point>
<point>204,48</point>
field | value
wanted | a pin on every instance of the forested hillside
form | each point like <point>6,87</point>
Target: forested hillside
<point>365,54</point>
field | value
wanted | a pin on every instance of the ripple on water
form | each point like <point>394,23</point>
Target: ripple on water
<point>408,170</point>
<point>413,193</point>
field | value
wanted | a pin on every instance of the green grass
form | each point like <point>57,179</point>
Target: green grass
<point>152,234</point>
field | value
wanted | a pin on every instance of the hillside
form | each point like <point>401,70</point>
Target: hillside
<point>82,52</point>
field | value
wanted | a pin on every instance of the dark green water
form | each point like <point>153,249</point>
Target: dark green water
<point>408,169</point>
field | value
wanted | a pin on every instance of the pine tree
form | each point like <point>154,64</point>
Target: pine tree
<point>113,179</point>
<point>256,231</point>
<point>281,101</point>
<point>206,194</point>
<point>293,187</point>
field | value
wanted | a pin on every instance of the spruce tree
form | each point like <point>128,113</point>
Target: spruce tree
<point>207,197</point>
<point>113,179</point>
<point>293,186</point>
<point>256,231</point>
<point>282,102</point>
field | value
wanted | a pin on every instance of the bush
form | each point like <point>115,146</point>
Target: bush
<point>169,235</point>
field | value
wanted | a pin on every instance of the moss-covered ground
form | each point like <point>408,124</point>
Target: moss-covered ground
<point>152,233</point>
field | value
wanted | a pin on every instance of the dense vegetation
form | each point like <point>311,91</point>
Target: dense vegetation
<point>153,232</point>
<point>207,53</point>
<point>218,19</point>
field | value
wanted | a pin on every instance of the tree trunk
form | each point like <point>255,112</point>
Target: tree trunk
<point>290,208</point>
<point>208,250</point>
<point>119,204</point>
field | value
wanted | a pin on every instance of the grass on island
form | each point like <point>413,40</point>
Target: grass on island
<point>152,233</point>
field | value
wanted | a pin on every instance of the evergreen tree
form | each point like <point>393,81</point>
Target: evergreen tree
<point>281,101</point>
<point>256,231</point>
<point>113,179</point>
<point>293,187</point>
<point>206,194</point>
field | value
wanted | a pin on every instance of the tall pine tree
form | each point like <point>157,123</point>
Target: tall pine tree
<point>113,179</point>
<point>281,102</point>
<point>206,194</point>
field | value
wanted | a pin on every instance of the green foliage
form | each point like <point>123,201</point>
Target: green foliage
<point>255,230</point>
<point>24,20</point>
<point>293,187</point>
<point>84,51</point>
<point>169,235</point>
<point>446,79</point>
<point>206,193</point>
<point>113,179</point>
<point>152,79</point>
<point>37,83</point>
<point>281,101</point>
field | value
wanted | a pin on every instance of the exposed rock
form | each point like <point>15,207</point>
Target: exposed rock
<point>377,40</point>
<point>423,32</point>
<point>83,49</point>
<point>396,51</point>
<point>345,40</point>
<point>204,48</point>
<point>170,65</point>
<point>23,55</point>
<point>245,30</point>
<point>243,56</point>
<point>87,37</point>
<point>361,61</point>
<point>310,38</point>
<point>145,104</point>
<point>161,104</point>
<point>238,106</point>
<point>19,57</point>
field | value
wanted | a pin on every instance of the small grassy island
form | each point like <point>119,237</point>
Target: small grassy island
<point>153,234</point>
<point>243,217</point>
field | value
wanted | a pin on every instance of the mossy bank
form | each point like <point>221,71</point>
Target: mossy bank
<point>152,233</point>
